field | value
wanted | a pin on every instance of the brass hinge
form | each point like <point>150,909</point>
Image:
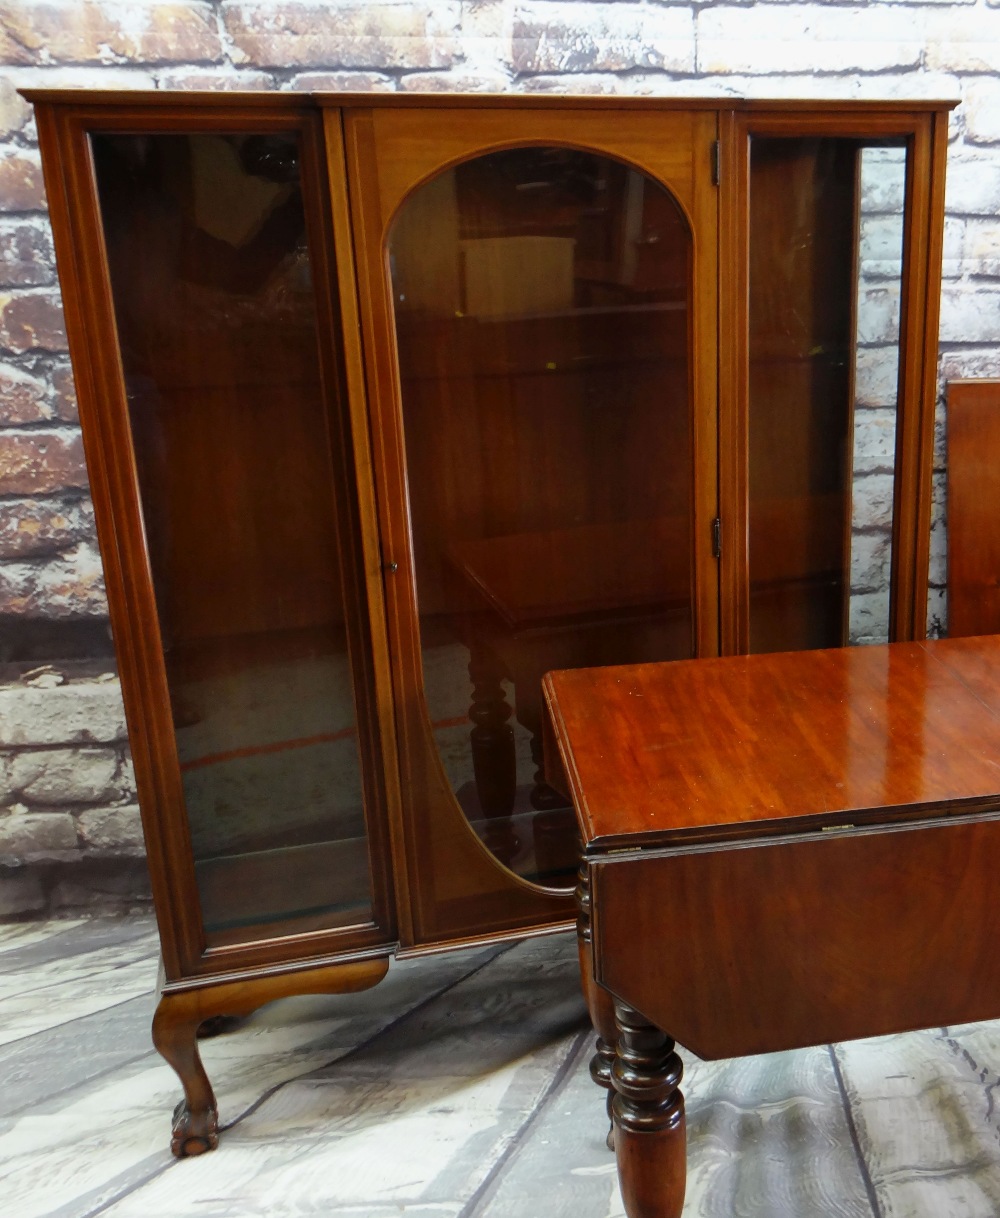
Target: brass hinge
<point>716,163</point>
<point>717,538</point>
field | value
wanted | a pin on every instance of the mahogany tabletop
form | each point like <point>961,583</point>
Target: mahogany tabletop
<point>743,746</point>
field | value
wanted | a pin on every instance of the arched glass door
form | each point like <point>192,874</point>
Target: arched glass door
<point>542,302</point>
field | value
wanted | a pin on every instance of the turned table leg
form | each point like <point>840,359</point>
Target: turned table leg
<point>648,1112</point>
<point>544,798</point>
<point>600,1004</point>
<point>175,1035</point>
<point>494,764</point>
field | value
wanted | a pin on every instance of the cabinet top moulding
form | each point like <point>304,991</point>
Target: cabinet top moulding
<point>516,101</point>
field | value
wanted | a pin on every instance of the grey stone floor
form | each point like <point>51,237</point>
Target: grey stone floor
<point>456,1089</point>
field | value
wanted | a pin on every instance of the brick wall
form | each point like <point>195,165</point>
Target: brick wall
<point>66,795</point>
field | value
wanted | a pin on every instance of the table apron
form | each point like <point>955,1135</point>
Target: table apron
<point>751,948</point>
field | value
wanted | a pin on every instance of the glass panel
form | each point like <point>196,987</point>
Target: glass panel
<point>825,276</point>
<point>541,299</point>
<point>210,273</point>
<point>882,193</point>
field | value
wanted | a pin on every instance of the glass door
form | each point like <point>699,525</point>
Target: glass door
<point>825,286</point>
<point>547,283</point>
<point>235,421</point>
<point>830,377</point>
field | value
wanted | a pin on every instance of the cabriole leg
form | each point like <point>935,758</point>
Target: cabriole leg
<point>175,1035</point>
<point>180,1013</point>
<point>648,1113</point>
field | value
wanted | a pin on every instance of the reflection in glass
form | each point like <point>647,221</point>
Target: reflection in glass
<point>825,276</point>
<point>541,299</point>
<point>210,273</point>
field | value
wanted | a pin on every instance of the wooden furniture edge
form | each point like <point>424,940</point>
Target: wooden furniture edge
<point>611,101</point>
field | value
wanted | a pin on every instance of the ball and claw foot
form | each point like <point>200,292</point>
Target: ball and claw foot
<point>194,1133</point>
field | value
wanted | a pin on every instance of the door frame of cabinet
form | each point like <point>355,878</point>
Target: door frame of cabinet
<point>65,123</point>
<point>392,154</point>
<point>924,128</point>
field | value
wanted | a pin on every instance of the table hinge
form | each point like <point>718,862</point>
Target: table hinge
<point>717,538</point>
<point>716,163</point>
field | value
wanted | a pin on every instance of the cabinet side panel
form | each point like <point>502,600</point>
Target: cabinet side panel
<point>97,371</point>
<point>973,508</point>
<point>921,293</point>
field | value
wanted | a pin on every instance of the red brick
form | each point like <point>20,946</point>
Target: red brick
<point>23,397</point>
<point>213,79</point>
<point>26,254</point>
<point>31,527</point>
<point>96,31</point>
<point>32,321</point>
<point>344,82</point>
<point>71,586</point>
<point>39,462</point>
<point>458,81</point>
<point>307,34</point>
<point>21,185</point>
<point>65,394</point>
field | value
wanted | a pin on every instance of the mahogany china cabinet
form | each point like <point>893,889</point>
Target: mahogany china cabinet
<point>393,403</point>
